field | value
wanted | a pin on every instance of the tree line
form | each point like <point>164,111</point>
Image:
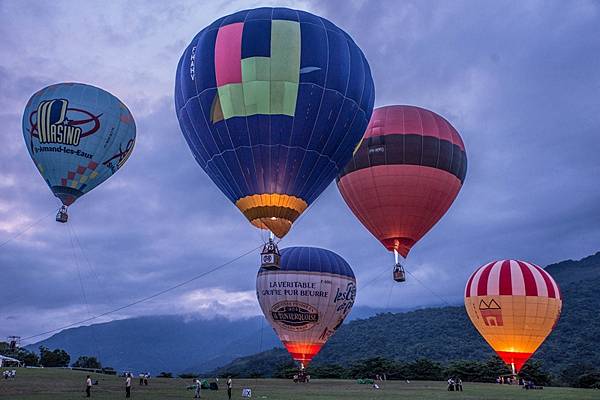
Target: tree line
<point>583,376</point>
<point>49,358</point>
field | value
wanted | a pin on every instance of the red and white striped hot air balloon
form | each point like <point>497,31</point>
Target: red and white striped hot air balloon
<point>514,305</point>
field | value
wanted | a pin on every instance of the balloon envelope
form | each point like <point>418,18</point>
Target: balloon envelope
<point>404,175</point>
<point>514,305</point>
<point>272,102</point>
<point>78,136</point>
<point>307,299</point>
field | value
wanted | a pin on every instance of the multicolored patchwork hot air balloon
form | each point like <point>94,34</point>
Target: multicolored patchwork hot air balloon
<point>307,299</point>
<point>514,305</point>
<point>78,136</point>
<point>404,175</point>
<point>272,101</point>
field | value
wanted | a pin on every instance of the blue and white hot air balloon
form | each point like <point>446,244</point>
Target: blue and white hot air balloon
<point>78,136</point>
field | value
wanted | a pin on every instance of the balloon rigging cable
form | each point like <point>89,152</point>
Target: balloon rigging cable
<point>28,227</point>
<point>136,302</point>
<point>144,299</point>
<point>83,294</point>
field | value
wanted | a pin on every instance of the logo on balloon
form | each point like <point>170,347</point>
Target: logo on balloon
<point>192,63</point>
<point>344,299</point>
<point>295,315</point>
<point>117,160</point>
<point>54,122</point>
<point>491,313</point>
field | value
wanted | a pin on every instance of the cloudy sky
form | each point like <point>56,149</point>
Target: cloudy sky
<point>519,80</point>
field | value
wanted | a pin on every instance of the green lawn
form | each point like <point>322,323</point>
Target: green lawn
<point>65,384</point>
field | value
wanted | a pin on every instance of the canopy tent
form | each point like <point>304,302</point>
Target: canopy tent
<point>9,362</point>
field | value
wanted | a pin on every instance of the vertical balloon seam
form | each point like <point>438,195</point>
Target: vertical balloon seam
<point>231,182</point>
<point>287,187</point>
<point>331,157</point>
<point>222,183</point>
<point>251,146</point>
<point>295,178</point>
<point>226,185</point>
<point>108,172</point>
<point>234,149</point>
<point>237,192</point>
<point>290,184</point>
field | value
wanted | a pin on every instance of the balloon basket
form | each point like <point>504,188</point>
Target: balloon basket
<point>61,215</point>
<point>269,256</point>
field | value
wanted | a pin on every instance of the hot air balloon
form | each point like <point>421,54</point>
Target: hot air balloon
<point>514,305</point>
<point>271,102</point>
<point>78,136</point>
<point>404,176</point>
<point>307,299</point>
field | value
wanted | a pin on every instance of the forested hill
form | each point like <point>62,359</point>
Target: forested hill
<point>446,334</point>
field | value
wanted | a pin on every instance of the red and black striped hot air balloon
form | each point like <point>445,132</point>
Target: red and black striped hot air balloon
<point>404,175</point>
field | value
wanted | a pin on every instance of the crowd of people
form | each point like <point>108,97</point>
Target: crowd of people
<point>144,378</point>
<point>9,374</point>
<point>455,385</point>
<point>302,377</point>
<point>513,380</point>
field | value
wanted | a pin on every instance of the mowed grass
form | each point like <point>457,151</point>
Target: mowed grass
<point>42,384</point>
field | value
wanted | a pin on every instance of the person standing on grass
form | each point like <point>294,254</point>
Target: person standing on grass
<point>128,386</point>
<point>88,387</point>
<point>229,387</point>
<point>197,388</point>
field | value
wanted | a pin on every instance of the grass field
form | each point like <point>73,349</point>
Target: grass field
<point>45,384</point>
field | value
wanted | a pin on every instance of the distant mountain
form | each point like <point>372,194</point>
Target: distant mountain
<point>165,343</point>
<point>171,343</point>
<point>446,334</point>
<point>180,344</point>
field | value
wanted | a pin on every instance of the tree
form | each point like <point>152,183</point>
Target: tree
<point>54,358</point>
<point>425,370</point>
<point>165,375</point>
<point>533,371</point>
<point>371,367</point>
<point>494,367</point>
<point>328,371</point>
<point>87,362</point>
<point>29,358</point>
<point>468,370</point>
<point>570,375</point>
<point>590,381</point>
<point>188,375</point>
<point>285,370</point>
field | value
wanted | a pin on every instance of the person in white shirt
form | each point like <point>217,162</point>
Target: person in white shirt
<point>88,387</point>
<point>128,386</point>
<point>229,387</point>
<point>198,387</point>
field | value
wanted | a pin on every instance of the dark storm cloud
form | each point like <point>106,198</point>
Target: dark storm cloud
<point>520,82</point>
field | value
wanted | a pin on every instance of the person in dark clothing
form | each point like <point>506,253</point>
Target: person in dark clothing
<point>88,387</point>
<point>459,384</point>
<point>229,387</point>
